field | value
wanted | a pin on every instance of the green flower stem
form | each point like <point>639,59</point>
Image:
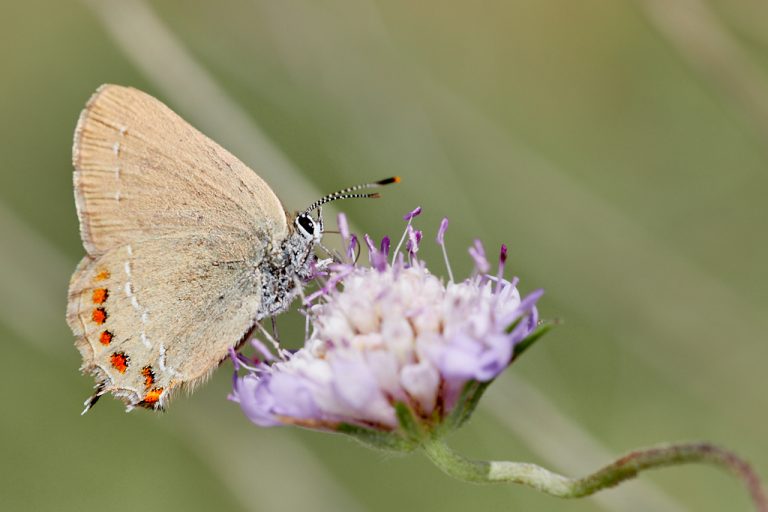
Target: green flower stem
<point>623,469</point>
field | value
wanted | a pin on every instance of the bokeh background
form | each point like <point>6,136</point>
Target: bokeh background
<point>620,148</point>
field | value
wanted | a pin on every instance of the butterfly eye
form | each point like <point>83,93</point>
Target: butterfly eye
<point>306,225</point>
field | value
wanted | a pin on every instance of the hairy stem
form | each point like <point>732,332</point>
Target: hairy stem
<point>622,469</point>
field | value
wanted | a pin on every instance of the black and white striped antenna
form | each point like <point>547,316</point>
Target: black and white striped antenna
<point>348,193</point>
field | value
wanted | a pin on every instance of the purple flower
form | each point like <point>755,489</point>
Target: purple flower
<point>389,334</point>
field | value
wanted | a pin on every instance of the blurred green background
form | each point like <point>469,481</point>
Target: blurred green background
<point>620,148</point>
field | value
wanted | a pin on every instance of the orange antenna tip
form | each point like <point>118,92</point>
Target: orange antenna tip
<point>387,181</point>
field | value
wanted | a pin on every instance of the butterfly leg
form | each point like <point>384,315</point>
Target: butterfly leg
<point>275,334</point>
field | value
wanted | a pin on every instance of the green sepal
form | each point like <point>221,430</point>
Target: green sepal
<point>465,405</point>
<point>410,427</point>
<point>387,441</point>
<point>514,324</point>
<point>532,338</point>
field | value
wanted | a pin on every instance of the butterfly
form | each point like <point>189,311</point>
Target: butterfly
<point>186,249</point>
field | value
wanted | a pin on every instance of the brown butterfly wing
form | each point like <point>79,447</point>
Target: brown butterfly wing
<point>162,313</point>
<point>141,172</point>
<point>175,227</point>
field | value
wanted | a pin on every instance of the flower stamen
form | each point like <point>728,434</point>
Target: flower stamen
<point>409,218</point>
<point>441,241</point>
<point>477,251</point>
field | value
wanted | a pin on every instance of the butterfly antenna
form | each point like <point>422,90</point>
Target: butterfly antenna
<point>349,193</point>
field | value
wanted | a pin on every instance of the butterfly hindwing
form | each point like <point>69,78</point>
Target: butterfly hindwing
<point>162,313</point>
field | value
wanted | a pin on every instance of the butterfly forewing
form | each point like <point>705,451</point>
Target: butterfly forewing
<point>141,172</point>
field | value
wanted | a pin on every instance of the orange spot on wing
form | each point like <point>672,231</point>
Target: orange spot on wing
<point>119,361</point>
<point>100,295</point>
<point>99,315</point>
<point>149,376</point>
<point>153,396</point>
<point>105,338</point>
<point>103,275</point>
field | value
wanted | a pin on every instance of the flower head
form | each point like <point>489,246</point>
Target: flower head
<point>389,337</point>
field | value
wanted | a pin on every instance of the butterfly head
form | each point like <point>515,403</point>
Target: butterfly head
<point>295,260</point>
<point>309,228</point>
<point>298,249</point>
